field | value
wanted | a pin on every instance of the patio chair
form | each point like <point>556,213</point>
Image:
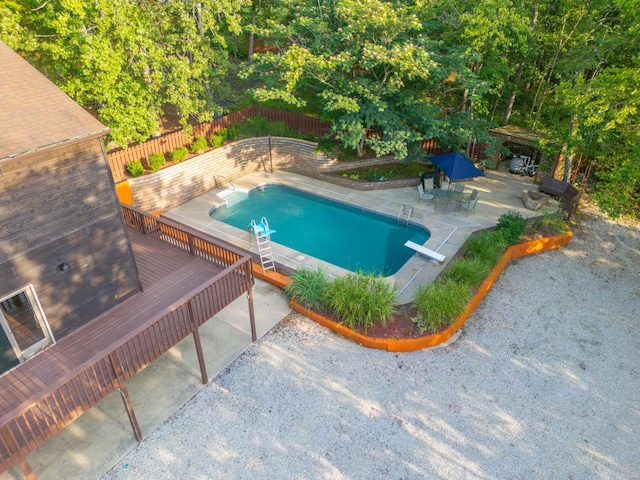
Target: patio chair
<point>426,193</point>
<point>458,187</point>
<point>469,204</point>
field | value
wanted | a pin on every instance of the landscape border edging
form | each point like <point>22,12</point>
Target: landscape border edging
<point>432,340</point>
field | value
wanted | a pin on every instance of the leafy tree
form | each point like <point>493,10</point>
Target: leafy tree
<point>124,59</point>
<point>372,68</point>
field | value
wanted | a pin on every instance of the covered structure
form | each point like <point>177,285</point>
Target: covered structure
<point>523,141</point>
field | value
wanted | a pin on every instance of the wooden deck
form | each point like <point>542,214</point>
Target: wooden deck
<point>186,280</point>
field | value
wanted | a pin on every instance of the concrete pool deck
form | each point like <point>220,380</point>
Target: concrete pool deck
<point>499,192</point>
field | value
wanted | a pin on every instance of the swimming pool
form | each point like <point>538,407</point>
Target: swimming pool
<point>346,236</point>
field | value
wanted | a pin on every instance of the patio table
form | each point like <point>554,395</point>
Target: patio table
<point>447,194</point>
<point>446,199</point>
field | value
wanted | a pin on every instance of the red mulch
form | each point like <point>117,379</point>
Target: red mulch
<point>400,327</point>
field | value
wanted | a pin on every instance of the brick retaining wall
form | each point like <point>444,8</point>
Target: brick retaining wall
<point>177,184</point>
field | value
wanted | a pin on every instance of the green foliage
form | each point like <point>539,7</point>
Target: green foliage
<point>487,246</point>
<point>199,145</point>
<point>439,303</point>
<point>511,226</point>
<point>371,66</point>
<point>387,172</point>
<point>471,271</point>
<point>134,168</point>
<point>124,61</point>
<point>179,154</point>
<point>553,222</point>
<point>308,287</point>
<point>156,161</point>
<point>259,126</point>
<point>217,139</point>
<point>361,300</point>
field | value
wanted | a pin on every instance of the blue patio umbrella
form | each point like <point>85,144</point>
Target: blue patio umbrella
<point>456,166</point>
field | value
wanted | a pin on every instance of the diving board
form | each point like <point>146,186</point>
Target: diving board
<point>433,255</point>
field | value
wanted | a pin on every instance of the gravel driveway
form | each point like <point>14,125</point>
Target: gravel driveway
<point>543,383</point>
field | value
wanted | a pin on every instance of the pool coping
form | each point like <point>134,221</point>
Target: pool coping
<point>448,230</point>
<point>343,203</point>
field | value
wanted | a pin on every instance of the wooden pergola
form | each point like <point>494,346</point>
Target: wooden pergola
<point>523,137</point>
<point>196,278</point>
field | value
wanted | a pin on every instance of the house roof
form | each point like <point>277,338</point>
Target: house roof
<point>34,113</point>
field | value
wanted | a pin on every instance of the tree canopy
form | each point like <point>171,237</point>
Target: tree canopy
<point>388,74</point>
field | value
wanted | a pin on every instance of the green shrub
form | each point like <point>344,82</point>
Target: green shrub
<point>199,145</point>
<point>156,161</point>
<point>308,287</point>
<point>179,154</point>
<point>439,304</point>
<point>361,300</point>
<point>511,226</point>
<point>218,138</point>
<point>134,168</point>
<point>488,247</point>
<point>232,133</point>
<point>471,271</point>
<point>259,126</point>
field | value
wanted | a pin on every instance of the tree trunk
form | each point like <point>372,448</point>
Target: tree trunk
<point>569,158</point>
<point>199,20</point>
<point>516,82</point>
<point>251,35</point>
<point>512,97</point>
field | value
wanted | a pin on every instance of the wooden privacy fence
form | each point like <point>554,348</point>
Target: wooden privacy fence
<point>27,423</point>
<point>169,142</point>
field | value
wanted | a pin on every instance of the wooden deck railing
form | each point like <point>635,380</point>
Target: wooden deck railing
<point>26,427</point>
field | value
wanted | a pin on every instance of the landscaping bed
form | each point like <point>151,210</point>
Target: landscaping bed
<point>440,309</point>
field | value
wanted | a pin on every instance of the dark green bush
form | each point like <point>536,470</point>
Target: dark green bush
<point>199,145</point>
<point>361,300</point>
<point>156,161</point>
<point>134,168</point>
<point>259,126</point>
<point>232,133</point>
<point>179,154</point>
<point>308,287</point>
<point>439,304</point>
<point>511,226</point>
<point>218,138</point>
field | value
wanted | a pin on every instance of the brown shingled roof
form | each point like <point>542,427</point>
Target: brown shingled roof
<point>34,113</point>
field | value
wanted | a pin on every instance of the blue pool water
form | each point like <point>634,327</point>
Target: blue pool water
<point>352,238</point>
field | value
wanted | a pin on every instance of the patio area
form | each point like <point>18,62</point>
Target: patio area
<point>498,192</point>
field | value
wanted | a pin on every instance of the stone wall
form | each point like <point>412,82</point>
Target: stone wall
<point>177,184</point>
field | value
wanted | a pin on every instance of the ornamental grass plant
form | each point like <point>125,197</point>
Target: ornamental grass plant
<point>361,300</point>
<point>438,304</point>
<point>308,287</point>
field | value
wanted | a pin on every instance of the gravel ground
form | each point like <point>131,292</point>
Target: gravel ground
<point>543,383</point>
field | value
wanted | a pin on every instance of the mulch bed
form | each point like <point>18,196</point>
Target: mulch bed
<point>399,327</point>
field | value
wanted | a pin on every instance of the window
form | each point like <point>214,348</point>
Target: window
<point>24,330</point>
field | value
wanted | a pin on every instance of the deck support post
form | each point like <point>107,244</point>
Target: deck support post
<point>27,470</point>
<point>198,343</point>
<point>130,413</point>
<point>122,388</point>
<point>252,317</point>
<point>10,443</point>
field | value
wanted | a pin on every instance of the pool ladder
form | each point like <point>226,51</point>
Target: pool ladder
<point>263,241</point>
<point>405,210</point>
<point>215,179</point>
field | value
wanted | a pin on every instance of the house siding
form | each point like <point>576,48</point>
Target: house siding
<point>60,204</point>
